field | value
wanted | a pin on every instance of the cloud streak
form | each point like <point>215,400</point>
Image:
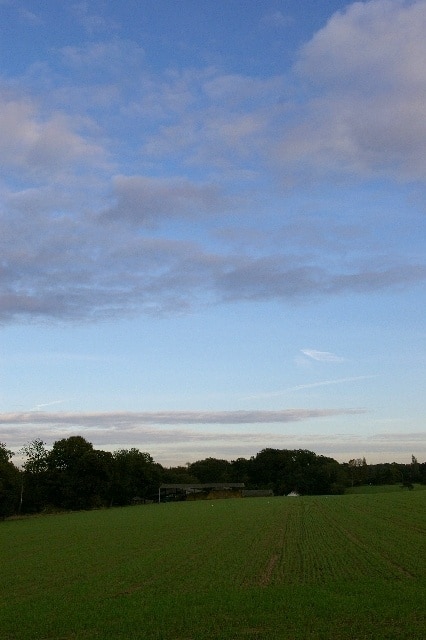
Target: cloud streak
<point>153,428</point>
<point>325,383</point>
<point>377,447</point>
<point>312,385</point>
<point>38,407</point>
<point>174,446</point>
<point>322,356</point>
<point>125,418</point>
<point>72,267</point>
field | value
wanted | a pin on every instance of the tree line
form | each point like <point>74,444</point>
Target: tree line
<point>74,475</point>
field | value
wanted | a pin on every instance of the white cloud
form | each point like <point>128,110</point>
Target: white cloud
<point>379,39</point>
<point>367,116</point>
<point>40,406</point>
<point>198,145</point>
<point>43,145</point>
<point>322,356</point>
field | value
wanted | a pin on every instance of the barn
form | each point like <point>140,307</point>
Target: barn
<point>200,491</point>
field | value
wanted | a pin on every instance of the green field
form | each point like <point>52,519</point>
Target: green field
<point>340,567</point>
<point>384,488</point>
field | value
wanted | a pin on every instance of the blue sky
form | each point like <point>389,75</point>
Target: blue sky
<point>213,226</point>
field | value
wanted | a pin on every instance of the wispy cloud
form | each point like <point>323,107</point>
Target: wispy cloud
<point>325,383</point>
<point>277,19</point>
<point>125,418</point>
<point>29,16</point>
<point>40,406</point>
<point>173,431</point>
<point>377,447</point>
<point>310,385</point>
<point>92,22</point>
<point>322,356</point>
<point>171,446</point>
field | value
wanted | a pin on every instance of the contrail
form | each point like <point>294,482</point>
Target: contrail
<point>322,356</point>
<point>327,382</point>
<point>46,404</point>
<point>310,385</point>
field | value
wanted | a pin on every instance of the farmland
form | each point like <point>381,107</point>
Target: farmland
<point>341,567</point>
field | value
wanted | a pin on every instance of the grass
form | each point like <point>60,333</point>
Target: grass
<point>384,488</point>
<point>343,567</point>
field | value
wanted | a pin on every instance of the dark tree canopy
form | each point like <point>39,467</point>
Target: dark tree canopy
<point>211,470</point>
<point>66,453</point>
<point>10,484</point>
<point>5,454</point>
<point>286,470</point>
<point>36,456</point>
<point>75,475</point>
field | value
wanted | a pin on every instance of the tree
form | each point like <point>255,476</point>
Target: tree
<point>93,479</point>
<point>387,473</point>
<point>5,454</point>
<point>414,470</point>
<point>358,471</point>
<point>241,470</point>
<point>285,470</point>
<point>211,470</point>
<point>177,475</point>
<point>10,483</point>
<point>78,476</point>
<point>34,482</point>
<point>66,453</point>
<point>135,475</point>
<point>36,456</point>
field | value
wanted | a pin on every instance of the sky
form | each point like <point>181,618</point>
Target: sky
<point>212,226</point>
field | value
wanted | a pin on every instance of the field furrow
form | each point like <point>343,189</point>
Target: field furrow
<point>219,570</point>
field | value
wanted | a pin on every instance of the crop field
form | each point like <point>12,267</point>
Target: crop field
<point>342,567</point>
<point>384,488</point>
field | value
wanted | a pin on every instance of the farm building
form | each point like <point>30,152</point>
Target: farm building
<point>257,493</point>
<point>171,492</point>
